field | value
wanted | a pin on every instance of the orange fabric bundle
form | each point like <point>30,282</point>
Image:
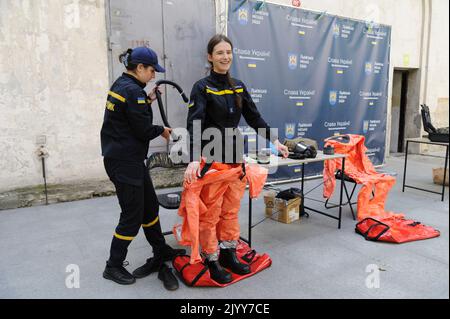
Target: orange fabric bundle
<point>359,167</point>
<point>394,230</point>
<point>197,275</point>
<point>375,223</point>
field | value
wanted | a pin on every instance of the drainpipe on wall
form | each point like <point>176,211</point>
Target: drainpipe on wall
<point>425,48</point>
<point>42,153</point>
<point>424,58</point>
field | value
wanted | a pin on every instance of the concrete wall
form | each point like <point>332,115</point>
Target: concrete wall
<point>53,83</point>
<point>54,76</point>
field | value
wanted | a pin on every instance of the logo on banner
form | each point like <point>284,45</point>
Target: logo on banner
<point>289,130</point>
<point>292,61</point>
<point>368,68</point>
<point>365,126</point>
<point>243,16</point>
<point>296,3</point>
<point>333,97</point>
<point>336,30</point>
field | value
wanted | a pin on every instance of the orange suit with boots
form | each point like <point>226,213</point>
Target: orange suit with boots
<point>210,206</point>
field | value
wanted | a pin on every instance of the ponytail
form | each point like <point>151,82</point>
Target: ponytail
<point>125,59</point>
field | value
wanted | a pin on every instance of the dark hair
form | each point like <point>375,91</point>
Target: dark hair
<point>215,40</point>
<point>125,59</point>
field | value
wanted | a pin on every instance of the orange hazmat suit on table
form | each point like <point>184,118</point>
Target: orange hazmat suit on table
<point>375,223</point>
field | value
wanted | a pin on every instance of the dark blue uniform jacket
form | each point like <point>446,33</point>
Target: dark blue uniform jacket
<point>127,128</point>
<point>213,103</point>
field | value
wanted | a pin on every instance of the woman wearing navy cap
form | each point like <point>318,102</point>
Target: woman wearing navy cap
<point>125,135</point>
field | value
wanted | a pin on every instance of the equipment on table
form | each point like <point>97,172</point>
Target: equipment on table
<point>328,150</point>
<point>301,148</point>
<point>434,134</point>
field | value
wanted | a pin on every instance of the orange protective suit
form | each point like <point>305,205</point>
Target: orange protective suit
<point>394,230</point>
<point>375,223</point>
<point>210,206</point>
<point>359,167</point>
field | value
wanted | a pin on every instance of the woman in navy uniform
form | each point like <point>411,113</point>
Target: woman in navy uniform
<point>125,135</point>
<point>218,101</point>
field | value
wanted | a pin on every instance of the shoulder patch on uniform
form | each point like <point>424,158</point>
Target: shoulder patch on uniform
<point>110,106</point>
<point>141,100</point>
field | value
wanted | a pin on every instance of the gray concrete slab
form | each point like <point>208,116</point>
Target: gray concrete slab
<point>311,257</point>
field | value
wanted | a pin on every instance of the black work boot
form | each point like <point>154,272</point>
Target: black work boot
<point>118,274</point>
<point>152,265</point>
<point>169,253</point>
<point>217,273</point>
<point>228,259</point>
<point>166,275</point>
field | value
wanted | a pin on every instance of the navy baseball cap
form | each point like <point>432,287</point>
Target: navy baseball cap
<point>147,56</point>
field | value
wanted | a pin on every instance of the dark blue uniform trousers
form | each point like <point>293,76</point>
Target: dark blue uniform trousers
<point>140,208</point>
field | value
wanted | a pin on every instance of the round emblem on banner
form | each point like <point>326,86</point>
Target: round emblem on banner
<point>296,3</point>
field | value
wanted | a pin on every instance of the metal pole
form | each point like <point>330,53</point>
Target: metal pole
<point>404,169</point>
<point>45,179</point>
<point>445,173</point>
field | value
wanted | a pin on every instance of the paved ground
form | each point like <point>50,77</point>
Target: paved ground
<point>311,258</point>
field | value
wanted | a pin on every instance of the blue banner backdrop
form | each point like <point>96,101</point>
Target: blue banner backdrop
<point>312,75</point>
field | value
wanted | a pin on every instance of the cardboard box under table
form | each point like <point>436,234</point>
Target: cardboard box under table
<point>282,210</point>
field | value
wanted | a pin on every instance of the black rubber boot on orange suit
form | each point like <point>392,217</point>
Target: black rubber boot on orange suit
<point>228,259</point>
<point>217,273</point>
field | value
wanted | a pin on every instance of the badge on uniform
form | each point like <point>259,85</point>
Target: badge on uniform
<point>141,100</point>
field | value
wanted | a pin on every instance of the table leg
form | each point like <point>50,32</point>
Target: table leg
<point>445,172</point>
<point>404,169</point>
<point>249,220</point>
<point>340,195</point>
<point>302,203</point>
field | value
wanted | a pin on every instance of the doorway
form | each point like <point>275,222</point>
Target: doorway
<point>405,116</point>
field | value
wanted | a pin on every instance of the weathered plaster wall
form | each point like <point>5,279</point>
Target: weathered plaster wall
<point>53,81</point>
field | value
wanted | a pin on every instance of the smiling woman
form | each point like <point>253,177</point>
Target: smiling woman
<point>221,57</point>
<point>217,103</point>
